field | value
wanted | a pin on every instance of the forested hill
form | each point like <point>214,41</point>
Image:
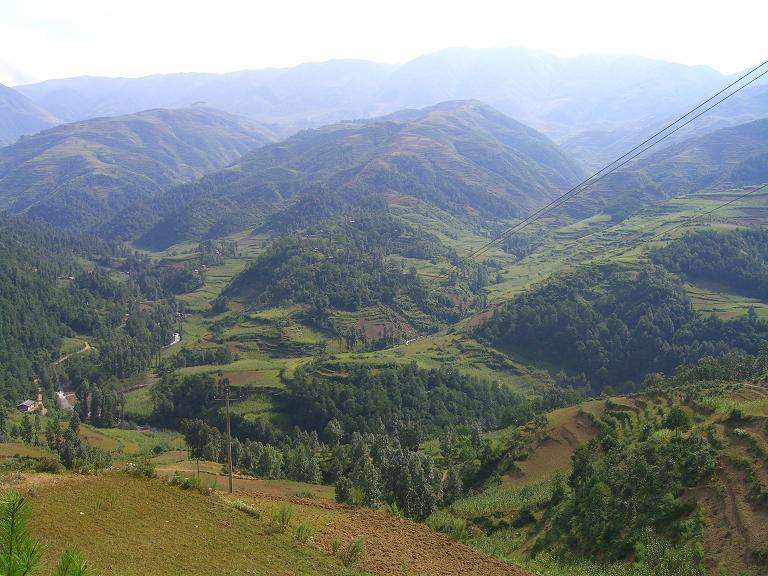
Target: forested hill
<point>729,157</point>
<point>464,157</point>
<point>605,326</point>
<point>19,116</point>
<point>344,265</point>
<point>80,174</point>
<point>736,259</point>
<point>48,295</point>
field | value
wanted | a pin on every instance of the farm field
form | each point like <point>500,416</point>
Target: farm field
<point>274,340</point>
<point>125,525</point>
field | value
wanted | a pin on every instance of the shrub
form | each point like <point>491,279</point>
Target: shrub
<point>356,496</point>
<point>305,494</point>
<point>353,551</point>
<point>448,524</point>
<point>183,482</point>
<point>336,546</point>
<point>283,517</point>
<point>524,518</point>
<point>303,533</point>
<point>144,469</point>
<point>48,464</point>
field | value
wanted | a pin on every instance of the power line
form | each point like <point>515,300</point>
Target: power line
<point>622,160</point>
<point>689,221</point>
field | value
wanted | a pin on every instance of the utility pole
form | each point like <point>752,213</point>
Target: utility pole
<point>229,438</point>
<point>224,382</point>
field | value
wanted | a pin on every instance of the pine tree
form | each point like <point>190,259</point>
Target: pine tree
<point>19,554</point>
<point>26,429</point>
<point>38,427</point>
<point>344,490</point>
<point>333,432</point>
<point>371,485</point>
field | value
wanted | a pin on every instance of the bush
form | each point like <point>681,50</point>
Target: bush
<point>336,546</point>
<point>444,522</point>
<point>524,518</point>
<point>183,482</point>
<point>283,517</point>
<point>192,483</point>
<point>144,469</point>
<point>353,551</point>
<point>48,464</point>
<point>304,533</point>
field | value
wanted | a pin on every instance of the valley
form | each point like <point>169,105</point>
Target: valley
<point>420,337</point>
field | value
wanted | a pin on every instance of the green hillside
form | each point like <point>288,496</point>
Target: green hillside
<point>462,157</point>
<point>78,175</point>
<point>729,157</point>
<point>676,473</point>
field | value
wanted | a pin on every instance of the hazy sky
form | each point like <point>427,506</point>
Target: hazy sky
<point>42,39</point>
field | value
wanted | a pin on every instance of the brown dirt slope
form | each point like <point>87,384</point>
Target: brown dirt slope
<point>568,428</point>
<point>396,546</point>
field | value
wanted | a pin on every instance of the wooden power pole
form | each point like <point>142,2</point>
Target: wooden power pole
<point>224,382</point>
<point>229,440</point>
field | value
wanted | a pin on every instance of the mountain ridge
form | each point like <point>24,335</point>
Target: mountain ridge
<point>558,96</point>
<point>462,157</point>
<point>20,116</point>
<point>77,174</point>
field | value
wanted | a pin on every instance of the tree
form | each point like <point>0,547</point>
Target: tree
<point>38,427</point>
<point>74,422</point>
<point>344,490</point>
<point>452,487</point>
<point>26,429</point>
<point>371,485</point>
<point>677,419</point>
<point>200,439</point>
<point>3,422</point>
<point>446,443</point>
<point>476,435</point>
<point>333,432</point>
<point>19,555</point>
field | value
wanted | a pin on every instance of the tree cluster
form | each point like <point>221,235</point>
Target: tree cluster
<point>607,326</point>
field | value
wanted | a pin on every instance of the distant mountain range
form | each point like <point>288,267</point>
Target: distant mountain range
<point>579,101</point>
<point>462,157</point>
<point>80,174</point>
<point>20,116</point>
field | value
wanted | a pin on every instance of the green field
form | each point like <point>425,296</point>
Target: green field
<point>274,339</point>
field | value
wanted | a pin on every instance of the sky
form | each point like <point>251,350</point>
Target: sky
<point>42,39</point>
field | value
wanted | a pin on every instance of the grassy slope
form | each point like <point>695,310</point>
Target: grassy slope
<point>135,527</point>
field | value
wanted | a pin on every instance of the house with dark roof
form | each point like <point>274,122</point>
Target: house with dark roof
<point>26,406</point>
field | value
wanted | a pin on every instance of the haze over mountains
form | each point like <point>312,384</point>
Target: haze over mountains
<point>374,261</point>
<point>726,158</point>
<point>20,116</point>
<point>562,97</point>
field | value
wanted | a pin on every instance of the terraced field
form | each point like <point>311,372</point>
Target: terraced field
<point>271,340</point>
